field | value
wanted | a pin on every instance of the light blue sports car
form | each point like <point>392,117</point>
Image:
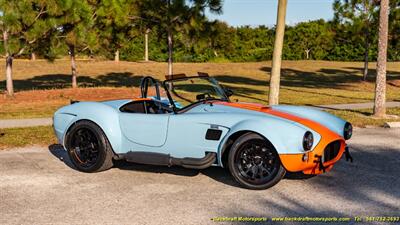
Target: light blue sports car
<point>191,122</point>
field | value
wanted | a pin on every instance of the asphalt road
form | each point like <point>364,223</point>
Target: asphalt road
<point>36,187</point>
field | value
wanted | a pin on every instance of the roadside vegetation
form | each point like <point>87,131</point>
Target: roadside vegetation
<point>19,137</point>
<point>303,83</point>
<point>364,118</point>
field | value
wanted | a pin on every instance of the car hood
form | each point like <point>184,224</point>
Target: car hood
<point>312,118</point>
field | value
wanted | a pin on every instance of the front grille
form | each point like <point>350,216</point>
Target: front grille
<point>331,151</point>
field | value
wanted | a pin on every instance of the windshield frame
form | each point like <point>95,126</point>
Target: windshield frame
<point>211,79</point>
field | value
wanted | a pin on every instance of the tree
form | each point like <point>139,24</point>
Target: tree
<point>274,83</point>
<point>172,16</point>
<point>360,16</point>
<point>113,24</point>
<point>75,30</point>
<point>23,23</point>
<point>218,34</point>
<point>380,86</point>
<point>146,45</point>
<point>312,38</point>
<point>394,31</point>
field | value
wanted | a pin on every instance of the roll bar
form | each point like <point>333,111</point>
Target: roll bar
<point>144,87</point>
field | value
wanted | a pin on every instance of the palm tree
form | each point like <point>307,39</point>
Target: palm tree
<point>380,87</point>
<point>274,82</point>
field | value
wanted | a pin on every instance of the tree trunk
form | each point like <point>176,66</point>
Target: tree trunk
<point>116,56</point>
<point>380,87</point>
<point>73,66</point>
<point>146,45</point>
<point>366,54</point>
<point>307,53</point>
<point>170,53</point>
<point>277,55</point>
<point>215,53</point>
<point>9,62</point>
<point>9,81</point>
<point>33,56</point>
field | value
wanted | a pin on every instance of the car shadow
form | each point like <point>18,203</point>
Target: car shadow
<point>59,152</point>
<point>216,173</point>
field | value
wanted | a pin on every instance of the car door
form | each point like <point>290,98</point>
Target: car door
<point>188,135</point>
<point>145,129</point>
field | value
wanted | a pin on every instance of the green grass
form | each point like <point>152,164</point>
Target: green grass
<point>12,112</point>
<point>19,137</point>
<point>363,117</point>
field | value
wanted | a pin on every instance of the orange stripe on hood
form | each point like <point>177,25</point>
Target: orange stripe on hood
<point>322,130</point>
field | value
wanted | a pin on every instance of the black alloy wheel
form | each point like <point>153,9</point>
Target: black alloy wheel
<point>88,147</point>
<point>85,147</point>
<point>254,162</point>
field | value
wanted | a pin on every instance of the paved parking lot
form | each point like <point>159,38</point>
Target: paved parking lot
<point>37,186</point>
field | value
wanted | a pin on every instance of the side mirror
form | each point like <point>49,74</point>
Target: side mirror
<point>228,92</point>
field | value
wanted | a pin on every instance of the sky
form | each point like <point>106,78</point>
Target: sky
<point>263,12</point>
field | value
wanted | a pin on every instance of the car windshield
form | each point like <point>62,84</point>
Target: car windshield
<point>191,90</point>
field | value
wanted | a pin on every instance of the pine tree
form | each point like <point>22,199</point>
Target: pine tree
<point>361,17</point>
<point>172,16</point>
<point>75,30</point>
<point>114,26</point>
<point>23,23</point>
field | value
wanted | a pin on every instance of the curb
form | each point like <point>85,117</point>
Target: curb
<point>392,125</point>
<point>17,123</point>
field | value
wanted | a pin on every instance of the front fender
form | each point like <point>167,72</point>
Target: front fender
<point>285,136</point>
<point>104,116</point>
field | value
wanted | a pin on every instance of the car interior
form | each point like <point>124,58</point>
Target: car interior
<point>155,105</point>
<point>146,106</point>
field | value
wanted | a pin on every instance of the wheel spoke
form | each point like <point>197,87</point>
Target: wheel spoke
<point>256,162</point>
<point>248,169</point>
<point>254,171</point>
<point>264,170</point>
<point>85,145</point>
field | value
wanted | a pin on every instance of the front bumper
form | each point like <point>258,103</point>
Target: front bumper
<point>318,161</point>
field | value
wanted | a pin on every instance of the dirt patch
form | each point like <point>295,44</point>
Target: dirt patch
<point>395,83</point>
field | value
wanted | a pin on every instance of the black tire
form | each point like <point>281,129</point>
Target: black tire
<point>88,147</point>
<point>254,162</point>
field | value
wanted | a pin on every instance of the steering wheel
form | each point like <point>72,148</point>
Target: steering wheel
<point>161,107</point>
<point>204,96</point>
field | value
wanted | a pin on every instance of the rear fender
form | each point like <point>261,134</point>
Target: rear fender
<point>104,116</point>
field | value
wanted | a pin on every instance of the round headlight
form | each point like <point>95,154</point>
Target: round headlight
<point>308,141</point>
<point>347,131</point>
